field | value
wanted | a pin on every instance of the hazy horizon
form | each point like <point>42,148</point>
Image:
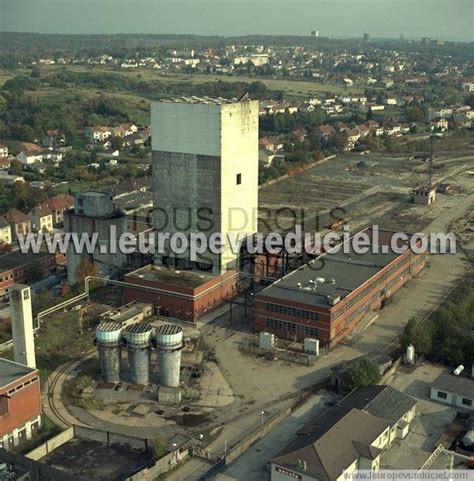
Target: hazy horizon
<point>449,20</point>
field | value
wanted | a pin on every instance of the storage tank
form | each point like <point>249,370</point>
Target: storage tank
<point>410,354</point>
<point>108,336</point>
<point>137,337</point>
<point>169,342</point>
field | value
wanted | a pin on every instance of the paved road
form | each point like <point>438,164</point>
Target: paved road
<point>251,466</point>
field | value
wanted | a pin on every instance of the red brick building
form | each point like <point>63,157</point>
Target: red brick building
<point>181,294</point>
<point>14,267</point>
<point>20,403</point>
<point>326,298</point>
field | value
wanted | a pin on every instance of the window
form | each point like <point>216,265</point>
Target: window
<point>292,311</point>
<point>291,327</point>
<point>238,179</point>
<point>466,401</point>
<point>3,405</point>
<point>442,395</point>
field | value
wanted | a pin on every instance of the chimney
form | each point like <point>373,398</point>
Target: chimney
<point>22,325</point>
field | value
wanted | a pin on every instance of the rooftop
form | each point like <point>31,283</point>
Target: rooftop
<point>14,259</point>
<point>207,100</point>
<point>182,278</point>
<point>459,385</point>
<point>168,329</point>
<point>331,277</point>
<point>11,371</point>
<point>352,432</point>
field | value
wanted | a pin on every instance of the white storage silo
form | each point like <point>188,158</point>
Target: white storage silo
<point>169,342</point>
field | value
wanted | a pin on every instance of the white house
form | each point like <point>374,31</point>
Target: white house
<point>457,391</point>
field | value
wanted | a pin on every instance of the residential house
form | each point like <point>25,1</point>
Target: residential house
<point>10,179</point>
<point>300,134</point>
<point>41,218</point>
<point>362,426</point>
<point>19,223</point>
<point>54,139</point>
<point>97,133</point>
<point>270,143</point>
<point>439,124</point>
<point>325,132</point>
<point>457,391</point>
<point>5,163</point>
<point>133,140</point>
<point>3,151</point>
<point>123,130</point>
<point>30,153</point>
<point>353,136</point>
<point>58,204</point>
<point>5,231</point>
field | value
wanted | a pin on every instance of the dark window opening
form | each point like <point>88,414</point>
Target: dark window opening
<point>238,180</point>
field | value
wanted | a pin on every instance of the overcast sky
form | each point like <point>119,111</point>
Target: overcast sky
<point>448,19</point>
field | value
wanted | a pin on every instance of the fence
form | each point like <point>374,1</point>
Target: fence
<point>51,444</point>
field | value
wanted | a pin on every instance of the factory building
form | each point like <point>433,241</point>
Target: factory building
<point>205,174</point>
<point>20,403</point>
<point>95,213</point>
<point>326,298</point>
<point>181,294</point>
<point>205,180</point>
<point>20,398</point>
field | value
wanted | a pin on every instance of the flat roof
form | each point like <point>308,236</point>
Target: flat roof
<point>183,278</point>
<point>11,371</point>
<point>15,259</point>
<point>331,276</point>
<point>193,99</point>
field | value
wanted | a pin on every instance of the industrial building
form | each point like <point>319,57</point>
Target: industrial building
<point>20,403</point>
<point>129,313</point>
<point>205,173</point>
<point>348,437</point>
<point>181,294</point>
<point>205,180</point>
<point>20,396</point>
<point>326,298</point>
<point>95,213</point>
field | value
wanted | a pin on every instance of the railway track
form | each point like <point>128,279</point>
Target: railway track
<point>52,387</point>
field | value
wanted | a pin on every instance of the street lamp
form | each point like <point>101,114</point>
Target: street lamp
<point>261,419</point>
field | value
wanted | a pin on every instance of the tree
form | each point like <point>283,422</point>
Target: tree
<point>418,335</point>
<point>86,268</point>
<point>363,372</point>
<point>34,273</point>
<point>159,447</point>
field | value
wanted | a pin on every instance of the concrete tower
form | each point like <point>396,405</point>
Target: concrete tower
<point>169,342</point>
<point>95,213</point>
<point>205,174</point>
<point>108,336</point>
<point>22,325</point>
<point>137,337</point>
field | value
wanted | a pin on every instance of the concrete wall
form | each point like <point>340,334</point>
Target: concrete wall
<point>198,152</point>
<point>106,262</point>
<point>51,444</point>
<point>107,437</point>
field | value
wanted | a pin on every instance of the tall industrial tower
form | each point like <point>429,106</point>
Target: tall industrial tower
<point>205,174</point>
<point>22,325</point>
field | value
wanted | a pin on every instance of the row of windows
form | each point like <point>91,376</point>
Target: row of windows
<point>378,282</point>
<point>292,311</point>
<point>465,401</point>
<point>291,327</point>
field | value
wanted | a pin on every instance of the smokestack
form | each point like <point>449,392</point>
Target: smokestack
<point>22,325</point>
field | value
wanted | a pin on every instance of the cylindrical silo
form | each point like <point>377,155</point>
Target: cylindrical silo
<point>108,336</point>
<point>138,338</point>
<point>169,342</point>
